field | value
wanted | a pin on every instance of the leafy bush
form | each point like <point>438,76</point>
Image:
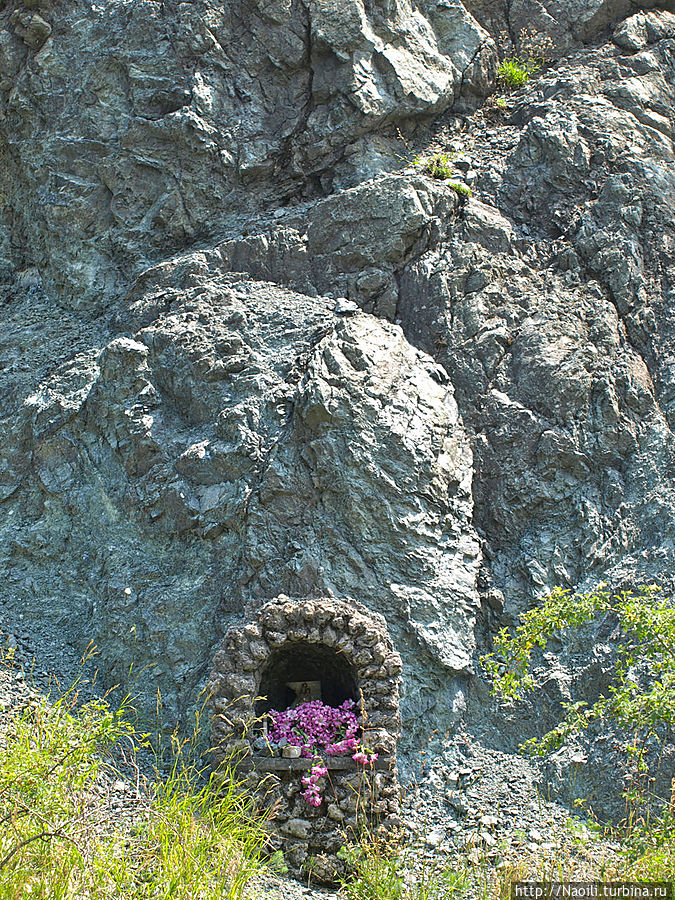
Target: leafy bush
<point>641,696</point>
<point>640,699</point>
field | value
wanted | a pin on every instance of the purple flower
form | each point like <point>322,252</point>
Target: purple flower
<point>312,792</point>
<point>317,729</point>
<point>364,756</point>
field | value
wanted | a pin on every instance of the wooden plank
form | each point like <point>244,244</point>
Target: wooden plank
<point>335,763</point>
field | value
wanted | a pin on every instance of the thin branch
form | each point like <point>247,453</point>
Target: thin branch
<point>43,835</point>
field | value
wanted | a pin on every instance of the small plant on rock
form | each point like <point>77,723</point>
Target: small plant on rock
<point>534,51</point>
<point>514,72</point>
<point>438,165</point>
<point>462,189</point>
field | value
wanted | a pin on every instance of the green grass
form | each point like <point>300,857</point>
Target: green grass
<point>188,839</point>
<point>649,847</point>
<point>374,870</point>
<point>386,869</point>
<point>440,166</point>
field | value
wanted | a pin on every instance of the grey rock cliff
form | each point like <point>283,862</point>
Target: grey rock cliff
<point>137,128</point>
<point>251,441</point>
<point>253,351</point>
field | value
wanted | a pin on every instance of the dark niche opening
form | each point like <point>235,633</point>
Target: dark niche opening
<point>317,672</point>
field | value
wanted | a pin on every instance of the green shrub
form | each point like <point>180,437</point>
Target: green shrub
<point>438,165</point>
<point>640,699</point>
<point>641,696</point>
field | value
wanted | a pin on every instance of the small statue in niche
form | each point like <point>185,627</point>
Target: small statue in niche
<point>304,691</point>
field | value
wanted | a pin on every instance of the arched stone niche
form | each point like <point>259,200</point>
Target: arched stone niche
<point>305,665</point>
<point>295,650</point>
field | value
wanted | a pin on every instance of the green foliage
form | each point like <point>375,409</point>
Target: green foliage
<point>277,863</point>
<point>515,72</point>
<point>438,165</point>
<point>641,696</point>
<point>189,838</point>
<point>460,189</point>
<point>650,849</point>
<point>640,699</point>
<point>374,867</point>
<point>534,51</point>
<point>447,883</point>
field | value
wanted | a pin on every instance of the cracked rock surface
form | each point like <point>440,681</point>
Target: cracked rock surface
<point>225,452</point>
<point>254,352</point>
<point>138,127</point>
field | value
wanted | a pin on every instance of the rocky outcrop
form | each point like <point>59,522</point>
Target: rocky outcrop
<point>539,302</point>
<point>258,352</point>
<point>131,130</point>
<point>251,441</point>
<point>556,26</point>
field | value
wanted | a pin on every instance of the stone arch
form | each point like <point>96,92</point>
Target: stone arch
<point>305,665</point>
<point>343,626</point>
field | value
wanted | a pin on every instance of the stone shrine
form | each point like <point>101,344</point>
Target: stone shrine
<point>299,650</point>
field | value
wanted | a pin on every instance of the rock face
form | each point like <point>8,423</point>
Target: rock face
<point>558,25</point>
<point>250,441</point>
<point>254,352</point>
<point>133,129</point>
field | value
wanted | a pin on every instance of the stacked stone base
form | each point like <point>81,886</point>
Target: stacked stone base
<point>310,837</point>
